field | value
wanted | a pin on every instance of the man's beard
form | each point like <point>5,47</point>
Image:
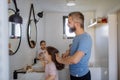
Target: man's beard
<point>71,30</point>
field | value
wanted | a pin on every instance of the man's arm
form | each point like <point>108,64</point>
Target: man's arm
<point>66,54</point>
<point>71,59</point>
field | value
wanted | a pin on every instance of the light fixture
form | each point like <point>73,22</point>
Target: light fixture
<point>40,15</point>
<point>71,3</point>
<point>15,18</point>
<point>15,21</point>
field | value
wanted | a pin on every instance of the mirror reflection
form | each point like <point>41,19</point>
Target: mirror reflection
<point>14,37</point>
<point>32,29</point>
<point>15,21</point>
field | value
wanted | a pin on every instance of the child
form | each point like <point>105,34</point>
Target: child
<point>52,65</point>
<point>41,50</point>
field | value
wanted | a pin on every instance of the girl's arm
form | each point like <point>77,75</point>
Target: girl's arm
<point>50,77</point>
<point>43,64</point>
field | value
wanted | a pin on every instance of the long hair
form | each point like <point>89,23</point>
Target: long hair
<point>53,51</point>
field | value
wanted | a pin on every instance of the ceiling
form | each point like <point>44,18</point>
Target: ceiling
<point>81,5</point>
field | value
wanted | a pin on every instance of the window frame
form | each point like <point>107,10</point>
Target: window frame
<point>64,29</point>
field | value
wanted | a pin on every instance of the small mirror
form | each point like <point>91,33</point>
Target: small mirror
<point>31,28</point>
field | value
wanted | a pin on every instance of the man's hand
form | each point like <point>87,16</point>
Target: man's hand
<point>64,55</point>
<point>58,58</point>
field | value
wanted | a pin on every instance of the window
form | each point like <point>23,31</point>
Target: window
<point>66,32</point>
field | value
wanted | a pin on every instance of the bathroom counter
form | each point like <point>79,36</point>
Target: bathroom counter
<point>39,75</point>
<point>22,71</point>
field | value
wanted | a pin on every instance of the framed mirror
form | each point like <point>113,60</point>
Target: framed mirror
<point>15,32</point>
<point>32,28</point>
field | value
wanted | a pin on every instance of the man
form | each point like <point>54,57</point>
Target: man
<point>80,51</point>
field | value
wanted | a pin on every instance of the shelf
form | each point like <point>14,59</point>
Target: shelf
<point>95,24</point>
<point>98,21</point>
<point>91,25</point>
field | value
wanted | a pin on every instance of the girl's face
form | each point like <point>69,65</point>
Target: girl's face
<point>47,56</point>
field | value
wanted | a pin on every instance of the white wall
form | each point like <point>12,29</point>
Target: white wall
<point>54,31</point>
<point>101,49</point>
<point>25,54</point>
<point>109,7</point>
<point>112,18</point>
<point>101,45</point>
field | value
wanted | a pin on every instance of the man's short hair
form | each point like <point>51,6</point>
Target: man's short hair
<point>77,17</point>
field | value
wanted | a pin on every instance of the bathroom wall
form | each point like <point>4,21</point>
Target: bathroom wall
<point>106,48</point>
<point>101,44</point>
<point>54,31</point>
<point>113,75</point>
<point>25,54</point>
<point>99,34</point>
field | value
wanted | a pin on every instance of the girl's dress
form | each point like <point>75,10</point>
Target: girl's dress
<point>50,69</point>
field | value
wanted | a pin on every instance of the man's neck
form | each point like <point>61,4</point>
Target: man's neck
<point>79,31</point>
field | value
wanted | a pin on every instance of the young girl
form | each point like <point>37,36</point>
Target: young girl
<point>52,65</point>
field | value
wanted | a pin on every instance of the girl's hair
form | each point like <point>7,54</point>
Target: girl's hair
<point>53,51</point>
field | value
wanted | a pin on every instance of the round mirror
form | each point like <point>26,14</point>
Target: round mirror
<point>32,29</point>
<point>14,35</point>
